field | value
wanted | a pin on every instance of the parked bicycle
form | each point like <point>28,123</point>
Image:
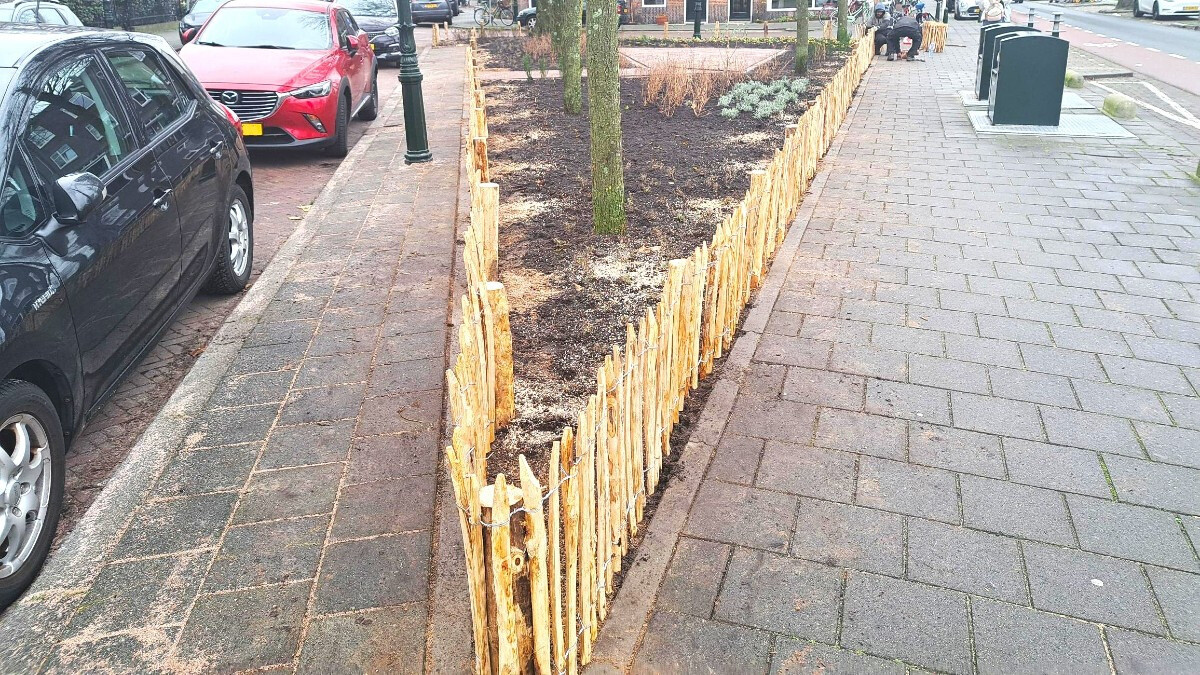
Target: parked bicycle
<point>498,12</point>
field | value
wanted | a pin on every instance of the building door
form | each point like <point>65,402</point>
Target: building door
<point>689,12</point>
<point>739,10</point>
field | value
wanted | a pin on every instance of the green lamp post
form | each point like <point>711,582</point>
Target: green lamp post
<point>415,134</point>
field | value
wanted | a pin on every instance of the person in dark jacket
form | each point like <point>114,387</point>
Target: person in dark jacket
<point>880,21</point>
<point>904,27</point>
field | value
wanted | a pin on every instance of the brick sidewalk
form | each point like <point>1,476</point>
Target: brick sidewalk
<point>291,528</point>
<point>968,439</point>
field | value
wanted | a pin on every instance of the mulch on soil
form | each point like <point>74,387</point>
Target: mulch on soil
<point>571,291</point>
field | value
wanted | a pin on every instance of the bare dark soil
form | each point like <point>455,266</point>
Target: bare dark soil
<point>571,291</point>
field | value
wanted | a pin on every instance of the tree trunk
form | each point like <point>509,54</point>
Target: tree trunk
<point>1124,6</point>
<point>843,34</point>
<point>604,113</point>
<point>565,30</point>
<point>801,38</point>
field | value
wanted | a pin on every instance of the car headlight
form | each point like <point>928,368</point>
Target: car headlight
<point>392,31</point>
<point>313,90</point>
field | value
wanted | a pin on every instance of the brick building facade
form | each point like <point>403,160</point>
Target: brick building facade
<point>680,11</point>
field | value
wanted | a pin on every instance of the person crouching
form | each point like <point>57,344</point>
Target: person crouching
<point>904,27</point>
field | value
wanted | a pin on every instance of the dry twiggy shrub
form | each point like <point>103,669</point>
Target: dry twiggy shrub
<point>538,48</point>
<point>676,90</point>
<point>654,83</point>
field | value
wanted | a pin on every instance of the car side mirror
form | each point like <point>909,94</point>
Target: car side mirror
<point>187,35</point>
<point>76,195</point>
<point>349,45</point>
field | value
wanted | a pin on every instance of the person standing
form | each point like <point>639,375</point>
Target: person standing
<point>993,12</point>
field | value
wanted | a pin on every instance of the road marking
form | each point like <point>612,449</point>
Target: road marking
<point>1154,50</point>
<point>1169,101</point>
<point>1135,44</point>
<point>1160,111</point>
<point>1177,56</point>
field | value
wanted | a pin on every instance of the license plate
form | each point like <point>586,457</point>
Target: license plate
<point>251,129</point>
<point>431,6</point>
<point>372,46</point>
<point>1191,8</point>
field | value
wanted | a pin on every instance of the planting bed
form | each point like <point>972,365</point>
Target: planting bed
<point>570,291</point>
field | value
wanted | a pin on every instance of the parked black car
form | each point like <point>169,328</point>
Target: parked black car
<point>378,19</point>
<point>195,18</point>
<point>124,189</point>
<point>528,16</point>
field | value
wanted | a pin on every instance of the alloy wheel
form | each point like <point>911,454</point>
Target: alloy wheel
<point>25,474</point>
<point>239,237</point>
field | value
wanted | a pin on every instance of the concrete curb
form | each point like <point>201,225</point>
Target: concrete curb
<point>46,607</point>
<point>630,611</point>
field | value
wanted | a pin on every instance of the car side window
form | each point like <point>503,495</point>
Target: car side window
<point>51,16</point>
<point>21,207</point>
<point>76,124</point>
<point>352,24</point>
<point>26,16</point>
<point>157,99</point>
<point>343,25</point>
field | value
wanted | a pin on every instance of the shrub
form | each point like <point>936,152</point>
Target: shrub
<point>762,99</point>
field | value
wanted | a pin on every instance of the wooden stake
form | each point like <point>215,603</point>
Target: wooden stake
<point>535,551</point>
<point>500,348</point>
<point>502,577</point>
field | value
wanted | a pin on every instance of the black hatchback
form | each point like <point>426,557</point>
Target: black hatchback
<point>124,189</point>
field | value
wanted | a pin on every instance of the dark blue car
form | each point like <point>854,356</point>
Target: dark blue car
<point>123,191</point>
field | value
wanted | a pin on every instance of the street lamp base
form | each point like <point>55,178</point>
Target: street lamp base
<point>418,157</point>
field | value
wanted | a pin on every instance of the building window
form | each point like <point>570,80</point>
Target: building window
<point>789,5</point>
<point>654,3</point>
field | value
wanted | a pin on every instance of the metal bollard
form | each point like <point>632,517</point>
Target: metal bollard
<point>1057,22</point>
<point>1030,24</point>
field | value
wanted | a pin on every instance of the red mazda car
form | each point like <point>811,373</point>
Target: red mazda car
<point>294,71</point>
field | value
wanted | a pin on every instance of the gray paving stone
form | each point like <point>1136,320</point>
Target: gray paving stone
<point>1185,410</point>
<point>1139,654</point>
<point>955,449</point>
<point>780,594</point>
<point>965,560</point>
<point>1152,484</point>
<point>1055,467</point>
<point>384,507</point>
<point>908,489</point>
<point>323,371</point>
<point>390,640</point>
<point>406,376</point>
<point>149,592</point>
<point>1178,594</point>
<point>252,389</point>
<point>1017,330</point>
<point>694,577</point>
<point>948,374</point>
<point>1149,374</point>
<point>215,634</point>
<point>919,624</point>
<point>737,458</point>
<point>1011,639</point>
<point>208,470</point>
<point>1174,445</point>
<point>764,380</point>
<point>232,425</point>
<point>805,470</point>
<point>1131,532</point>
<point>908,401</point>
<point>323,404</point>
<point>146,652</point>
<point>177,525</point>
<point>1090,340</point>
<point>679,643</point>
<point>947,320</point>
<point>793,351</point>
<point>793,657</point>
<point>281,332</point>
<point>972,302</point>
<point>849,536</point>
<point>1036,310</point>
<point>1089,586</point>
<point>776,420</point>
<point>741,515</point>
<point>1121,401</point>
<point>988,351</point>
<point>273,552</point>
<point>393,456</point>
<point>409,412</point>
<point>824,387</point>
<point>377,572</point>
<point>1015,510</point>
<point>906,339</point>
<point>1025,385</point>
<point>1167,351</point>
<point>1066,362</point>
<point>1090,431</point>
<point>269,357</point>
<point>874,435</point>
<point>871,361</point>
<point>289,493</point>
<point>303,444</point>
<point>995,415</point>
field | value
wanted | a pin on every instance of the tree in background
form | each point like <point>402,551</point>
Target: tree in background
<point>604,112</point>
<point>843,33</point>
<point>565,17</point>
<point>801,37</point>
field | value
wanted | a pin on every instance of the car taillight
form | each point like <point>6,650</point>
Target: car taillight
<point>231,116</point>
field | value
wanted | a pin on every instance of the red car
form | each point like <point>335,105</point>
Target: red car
<point>294,71</point>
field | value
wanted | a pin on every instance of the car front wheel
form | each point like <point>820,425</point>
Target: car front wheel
<point>236,255</point>
<point>340,144</point>
<point>370,109</point>
<point>32,469</point>
<point>1137,9</point>
<point>1155,13</point>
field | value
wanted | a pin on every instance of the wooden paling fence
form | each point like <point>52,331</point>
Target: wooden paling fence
<point>933,36</point>
<point>541,559</point>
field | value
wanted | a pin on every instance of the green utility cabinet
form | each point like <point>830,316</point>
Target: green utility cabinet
<point>987,52</point>
<point>1027,79</point>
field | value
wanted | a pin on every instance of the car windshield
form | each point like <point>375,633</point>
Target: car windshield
<point>369,7</point>
<point>267,28</point>
<point>206,6</point>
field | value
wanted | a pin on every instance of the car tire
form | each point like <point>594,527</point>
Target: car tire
<point>340,144</point>
<point>23,405</point>
<point>1155,13</point>
<point>370,109</point>
<point>235,256</point>
<point>1137,9</point>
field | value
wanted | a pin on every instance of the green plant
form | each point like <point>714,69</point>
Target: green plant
<point>527,63</point>
<point>543,66</point>
<point>762,99</point>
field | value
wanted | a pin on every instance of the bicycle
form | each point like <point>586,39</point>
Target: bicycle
<point>495,11</point>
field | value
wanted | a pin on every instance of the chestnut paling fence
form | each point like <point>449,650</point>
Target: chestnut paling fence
<point>541,559</point>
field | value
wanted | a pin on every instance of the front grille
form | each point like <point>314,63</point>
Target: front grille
<point>250,105</point>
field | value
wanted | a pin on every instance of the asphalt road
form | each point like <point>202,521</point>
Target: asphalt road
<point>1163,52</point>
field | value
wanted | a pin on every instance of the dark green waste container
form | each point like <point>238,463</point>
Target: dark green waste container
<point>987,50</point>
<point>1027,79</point>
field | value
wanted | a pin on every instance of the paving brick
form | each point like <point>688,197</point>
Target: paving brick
<point>965,560</point>
<point>1036,310</point>
<point>807,471</point>
<point>216,631</point>
<point>785,323</point>
<point>678,643</point>
<point>867,434</point>
<point>1017,330</point>
<point>1120,400</point>
<point>972,302</point>
<point>849,536</point>
<point>1185,410</point>
<point>900,619</point>
<point>1175,445</point>
<point>694,577</point>
<point>737,458</point>
<point>233,425</point>
<point>393,456</point>
<point>1149,374</point>
<point>375,572</point>
<point>1167,351</point>
<point>908,401</point>
<point>1178,594</point>
<point>872,311</point>
<point>988,351</point>
<point>1145,655</point>
<point>995,415</point>
<point>793,657</point>
<point>1025,385</point>
<point>1122,322</point>
<point>1016,510</point>
<point>149,592</point>
<point>1089,586</point>
<point>252,389</point>
<point>192,473</point>
<point>1055,467</point>
<point>323,404</point>
<point>281,332</point>
<point>389,640</point>
<point>871,361</point>
<point>778,420</point>
<point>791,351</point>
<point>383,507</point>
<point>288,493</point>
<point>764,380</point>
<point>912,340</point>
<point>1152,484</point>
<point>1090,431</point>
<point>948,374</point>
<point>272,552</point>
<point>143,652</point>
<point>1090,340</point>
<point>1012,639</point>
<point>1065,362</point>
<point>742,515</point>
<point>908,489</point>
<point>823,387</point>
<point>302,444</point>
<point>781,594</point>
<point>409,412</point>
<point>955,449</point>
<point>328,370</point>
<point>1131,532</point>
<point>177,525</point>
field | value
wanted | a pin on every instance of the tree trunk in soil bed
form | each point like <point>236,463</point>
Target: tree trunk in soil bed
<point>604,113</point>
<point>801,40</point>
<point>565,28</point>
<point>843,30</point>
